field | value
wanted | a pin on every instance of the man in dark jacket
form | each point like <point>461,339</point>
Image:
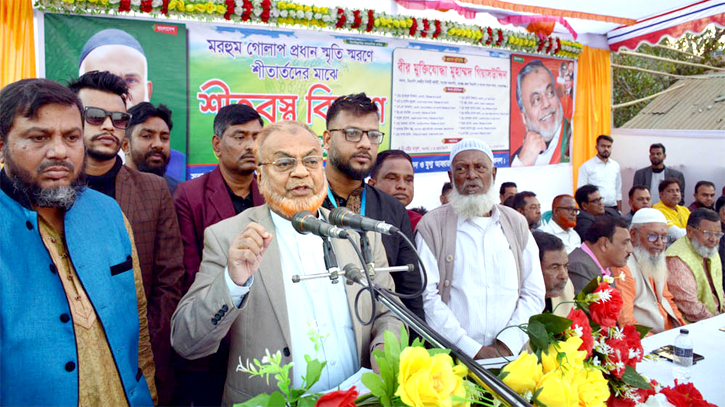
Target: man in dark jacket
<point>650,177</point>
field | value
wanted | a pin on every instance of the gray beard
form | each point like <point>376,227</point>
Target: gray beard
<point>472,206</point>
<point>651,266</point>
<point>703,251</point>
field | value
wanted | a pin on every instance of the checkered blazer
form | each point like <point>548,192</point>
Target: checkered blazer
<point>146,202</point>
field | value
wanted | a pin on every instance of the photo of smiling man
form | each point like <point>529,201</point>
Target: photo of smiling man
<point>540,129</point>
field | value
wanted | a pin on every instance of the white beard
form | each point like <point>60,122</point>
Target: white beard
<point>703,251</point>
<point>473,206</point>
<point>651,266</point>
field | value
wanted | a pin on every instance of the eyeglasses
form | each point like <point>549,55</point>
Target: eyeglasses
<point>573,211</point>
<point>708,234</point>
<point>654,237</point>
<point>354,135</point>
<point>596,200</point>
<point>312,162</point>
<point>96,116</point>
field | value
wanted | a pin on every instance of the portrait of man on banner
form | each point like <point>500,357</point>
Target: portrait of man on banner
<point>542,106</point>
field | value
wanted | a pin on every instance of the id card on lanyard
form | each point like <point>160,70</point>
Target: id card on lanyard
<point>333,201</point>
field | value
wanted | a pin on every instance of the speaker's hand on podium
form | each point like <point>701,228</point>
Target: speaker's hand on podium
<point>489,352</point>
<point>246,251</point>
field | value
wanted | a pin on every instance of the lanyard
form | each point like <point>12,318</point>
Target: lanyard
<point>333,201</point>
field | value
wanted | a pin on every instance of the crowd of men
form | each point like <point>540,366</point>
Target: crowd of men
<point>142,290</point>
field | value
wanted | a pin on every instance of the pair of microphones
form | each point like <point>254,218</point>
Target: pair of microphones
<point>339,219</point>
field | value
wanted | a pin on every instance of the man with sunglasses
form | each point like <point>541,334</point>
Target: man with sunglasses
<point>695,270</point>
<point>227,190</point>
<point>645,292</point>
<point>352,140</point>
<point>146,202</point>
<point>563,221</point>
<point>592,208</point>
<point>244,287</point>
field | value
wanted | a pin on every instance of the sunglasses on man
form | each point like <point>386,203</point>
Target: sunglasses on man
<point>96,116</point>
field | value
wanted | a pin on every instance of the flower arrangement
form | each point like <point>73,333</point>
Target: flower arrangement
<point>287,13</point>
<point>586,360</point>
<point>409,375</point>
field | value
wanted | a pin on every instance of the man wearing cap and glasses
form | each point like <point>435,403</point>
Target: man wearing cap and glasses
<point>352,139</point>
<point>695,269</point>
<point>146,202</point>
<point>483,266</point>
<point>646,294</point>
<point>563,221</point>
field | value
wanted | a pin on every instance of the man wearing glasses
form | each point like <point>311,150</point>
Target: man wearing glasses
<point>563,221</point>
<point>646,294</point>
<point>592,207</point>
<point>244,286</point>
<point>695,270</point>
<point>146,202</point>
<point>226,191</point>
<point>352,139</point>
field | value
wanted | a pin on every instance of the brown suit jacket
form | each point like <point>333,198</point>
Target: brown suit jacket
<point>261,322</point>
<point>146,202</point>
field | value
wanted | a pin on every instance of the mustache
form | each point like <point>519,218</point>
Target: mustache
<point>155,152</point>
<point>55,163</point>
<point>97,136</point>
<point>363,154</point>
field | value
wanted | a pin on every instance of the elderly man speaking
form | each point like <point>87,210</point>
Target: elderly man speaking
<point>244,284</point>
<point>482,262</point>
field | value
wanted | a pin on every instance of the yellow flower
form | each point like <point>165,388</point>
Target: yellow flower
<point>221,9</point>
<point>93,1</point>
<point>523,373</point>
<point>409,22</point>
<point>172,4</point>
<point>571,361</point>
<point>300,7</point>
<point>556,390</point>
<point>591,386</point>
<point>396,23</point>
<point>201,7</point>
<point>308,8</point>
<point>69,1</point>
<point>189,8</point>
<point>426,381</point>
<point>104,2</point>
<point>210,7</point>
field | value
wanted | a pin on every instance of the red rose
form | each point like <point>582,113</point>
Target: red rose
<point>685,394</point>
<point>371,21</point>
<point>606,310</point>
<point>579,319</point>
<point>618,357</point>
<point>340,18</point>
<point>338,398</point>
<point>631,336</point>
<point>617,402</point>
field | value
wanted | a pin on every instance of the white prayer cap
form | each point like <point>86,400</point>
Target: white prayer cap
<point>470,144</point>
<point>648,215</point>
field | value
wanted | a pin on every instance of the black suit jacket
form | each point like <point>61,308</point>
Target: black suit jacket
<point>643,177</point>
<point>582,269</point>
<point>382,206</point>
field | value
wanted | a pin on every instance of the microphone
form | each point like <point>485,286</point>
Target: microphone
<point>305,222</point>
<point>346,218</point>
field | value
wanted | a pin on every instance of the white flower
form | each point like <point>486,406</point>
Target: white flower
<point>114,1</point>
<point>617,333</point>
<point>300,14</point>
<point>596,361</point>
<point>318,16</point>
<point>257,11</point>
<point>326,18</point>
<point>283,13</point>
<point>135,2</point>
<point>274,12</point>
<point>605,295</point>
<point>157,3</point>
<point>633,353</point>
<point>608,279</point>
<point>308,15</point>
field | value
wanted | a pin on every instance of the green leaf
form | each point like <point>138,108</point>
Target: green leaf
<point>588,289</point>
<point>502,375</point>
<point>276,399</point>
<point>435,351</point>
<point>643,330</point>
<point>404,338</point>
<point>535,399</point>
<point>418,342</point>
<point>387,373</point>
<point>392,346</point>
<point>632,378</point>
<point>538,336</point>
<point>552,323</point>
<point>314,370</point>
<point>295,395</point>
<point>374,383</point>
<point>259,400</point>
<point>307,402</point>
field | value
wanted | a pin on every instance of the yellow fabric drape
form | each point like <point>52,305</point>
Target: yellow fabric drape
<point>17,44</point>
<point>593,109</point>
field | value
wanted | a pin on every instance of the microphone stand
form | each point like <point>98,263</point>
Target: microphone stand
<point>485,378</point>
<point>333,270</point>
<point>367,254</point>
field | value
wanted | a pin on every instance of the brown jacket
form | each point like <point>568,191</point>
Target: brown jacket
<point>146,202</point>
